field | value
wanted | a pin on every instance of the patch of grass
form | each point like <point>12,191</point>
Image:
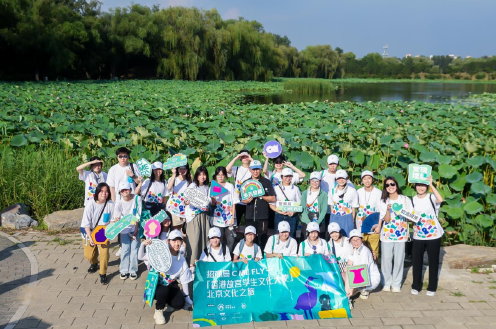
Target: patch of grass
<point>457,294</point>
<point>478,282</point>
<point>488,271</point>
<point>309,86</point>
<point>492,287</point>
<point>476,301</point>
<point>475,269</point>
<point>61,241</point>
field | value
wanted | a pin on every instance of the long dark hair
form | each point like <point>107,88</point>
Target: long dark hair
<point>219,169</point>
<point>161,179</point>
<point>99,189</point>
<point>188,173</point>
<point>385,194</point>
<point>201,169</point>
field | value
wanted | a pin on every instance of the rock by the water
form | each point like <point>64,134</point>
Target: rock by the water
<point>15,221</point>
<point>462,256</point>
<point>64,220</point>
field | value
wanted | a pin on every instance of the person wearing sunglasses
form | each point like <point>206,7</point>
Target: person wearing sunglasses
<point>122,171</point>
<point>344,202</point>
<point>313,244</point>
<point>275,176</point>
<point>394,233</point>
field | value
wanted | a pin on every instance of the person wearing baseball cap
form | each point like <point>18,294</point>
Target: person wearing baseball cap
<point>359,255</point>
<point>168,291</point>
<point>247,249</point>
<point>240,174</point>
<point>257,208</point>
<point>176,185</point>
<point>280,164</point>
<point>286,192</point>
<point>216,251</point>
<point>92,177</point>
<point>314,201</point>
<point>369,198</point>
<point>280,245</point>
<point>340,245</point>
<point>313,244</point>
<point>153,189</point>
<point>344,202</point>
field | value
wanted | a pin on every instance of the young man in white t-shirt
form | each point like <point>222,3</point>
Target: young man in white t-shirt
<point>123,170</point>
<point>91,178</point>
<point>280,245</point>
<point>240,174</point>
<point>247,249</point>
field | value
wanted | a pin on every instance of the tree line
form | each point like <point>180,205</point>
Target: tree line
<point>75,39</point>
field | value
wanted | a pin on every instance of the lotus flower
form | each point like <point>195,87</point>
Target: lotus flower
<point>221,112</point>
<point>406,145</point>
<point>401,111</point>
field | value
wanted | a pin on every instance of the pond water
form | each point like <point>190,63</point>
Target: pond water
<point>388,91</point>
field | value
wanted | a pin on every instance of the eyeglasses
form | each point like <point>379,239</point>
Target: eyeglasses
<point>390,184</point>
<point>123,156</point>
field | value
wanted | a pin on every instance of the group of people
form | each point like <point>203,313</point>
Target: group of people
<point>330,223</point>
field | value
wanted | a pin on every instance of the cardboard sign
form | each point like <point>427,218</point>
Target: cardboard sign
<point>291,206</point>
<point>273,149</point>
<point>159,255</point>
<point>175,161</point>
<point>150,287</point>
<point>160,217</point>
<point>196,197</point>
<point>419,173</point>
<point>409,215</point>
<point>144,167</point>
<point>98,235</point>
<point>152,228</point>
<point>113,229</point>
<point>253,188</point>
<point>216,189</point>
<point>358,276</point>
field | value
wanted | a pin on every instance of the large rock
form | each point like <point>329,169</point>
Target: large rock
<point>18,208</point>
<point>15,221</point>
<point>463,256</point>
<point>64,220</point>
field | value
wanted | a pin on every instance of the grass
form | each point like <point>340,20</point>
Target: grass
<point>457,294</point>
<point>476,301</point>
<point>61,241</point>
<point>492,287</point>
<point>478,282</point>
<point>475,270</point>
<point>309,86</point>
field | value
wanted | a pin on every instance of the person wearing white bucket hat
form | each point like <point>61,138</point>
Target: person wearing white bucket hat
<point>281,244</point>
<point>247,249</point>
<point>344,202</point>
<point>216,251</point>
<point>313,244</point>
<point>339,244</point>
<point>154,189</point>
<point>91,178</point>
<point>314,201</point>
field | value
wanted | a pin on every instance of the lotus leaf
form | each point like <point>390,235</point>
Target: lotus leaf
<point>491,199</point>
<point>453,212</point>
<point>480,188</point>
<point>18,141</point>
<point>484,221</point>
<point>474,177</point>
<point>447,171</point>
<point>473,208</point>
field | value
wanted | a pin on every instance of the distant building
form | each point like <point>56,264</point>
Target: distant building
<point>430,57</point>
<point>408,55</point>
<point>453,56</point>
<point>417,56</point>
<point>468,56</point>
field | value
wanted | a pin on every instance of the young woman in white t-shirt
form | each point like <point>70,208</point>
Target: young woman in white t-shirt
<point>247,249</point>
<point>240,174</point>
<point>91,178</point>
<point>313,244</point>
<point>178,183</point>
<point>344,203</point>
<point>427,234</point>
<point>275,176</point>
<point>154,189</point>
<point>282,244</point>
<point>215,251</point>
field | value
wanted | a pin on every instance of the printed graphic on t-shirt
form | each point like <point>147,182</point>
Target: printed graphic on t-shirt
<point>396,230</point>
<point>91,191</point>
<point>341,208</point>
<point>314,207</point>
<point>176,204</point>
<point>151,197</point>
<point>165,279</point>
<point>223,212</point>
<point>363,212</point>
<point>426,227</point>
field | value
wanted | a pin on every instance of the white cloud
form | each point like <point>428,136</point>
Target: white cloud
<point>232,13</point>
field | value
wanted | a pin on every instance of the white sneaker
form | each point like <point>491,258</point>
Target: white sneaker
<point>159,317</point>
<point>430,293</point>
<point>351,305</point>
<point>414,292</point>
<point>169,309</point>
<point>118,253</point>
<point>386,288</point>
<point>396,289</point>
<point>364,294</point>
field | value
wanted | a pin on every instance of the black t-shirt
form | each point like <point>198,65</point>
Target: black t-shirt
<point>262,206</point>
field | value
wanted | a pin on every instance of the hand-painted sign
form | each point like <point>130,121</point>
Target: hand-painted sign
<point>144,167</point>
<point>272,289</point>
<point>175,161</point>
<point>150,287</point>
<point>409,215</point>
<point>216,189</point>
<point>273,149</point>
<point>253,188</point>
<point>419,173</point>
<point>358,276</point>
<point>291,206</point>
<point>159,255</point>
<point>113,229</point>
<point>196,197</point>
<point>160,217</point>
<point>152,228</point>
<point>98,235</point>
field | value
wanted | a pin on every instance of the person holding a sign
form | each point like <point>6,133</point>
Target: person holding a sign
<point>314,201</point>
<point>257,209</point>
<point>282,244</point>
<point>97,212</point>
<point>224,207</point>
<point>178,183</point>
<point>427,234</point>
<point>276,176</point>
<point>197,220</point>
<point>240,174</point>
<point>313,244</point>
<point>344,202</point>
<point>128,204</point>
<point>394,233</point>
<point>216,251</point>
<point>154,189</point>
<point>91,178</point>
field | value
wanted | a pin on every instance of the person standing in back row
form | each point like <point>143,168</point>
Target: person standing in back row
<point>123,170</point>
<point>257,209</point>
<point>240,174</point>
<point>91,178</point>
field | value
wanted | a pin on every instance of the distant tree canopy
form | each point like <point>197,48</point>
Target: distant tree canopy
<point>74,39</point>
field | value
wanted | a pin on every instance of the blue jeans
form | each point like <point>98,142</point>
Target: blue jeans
<point>291,220</point>
<point>129,255</point>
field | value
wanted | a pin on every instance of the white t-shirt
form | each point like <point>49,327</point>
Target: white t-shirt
<point>117,174</point>
<point>363,256</point>
<point>397,229</point>
<point>292,192</point>
<point>240,174</point>
<point>343,248</point>
<point>91,181</point>
<point>92,211</point>
<point>156,193</point>
<point>327,183</point>
<point>219,257</point>
<point>321,248</point>
<point>276,178</point>
<point>175,204</point>
<point>343,206</point>
<point>123,208</point>
<point>428,227</point>
<point>179,271</point>
<point>369,204</point>
<point>248,252</point>
<point>191,211</point>
<point>224,207</point>
<point>287,248</point>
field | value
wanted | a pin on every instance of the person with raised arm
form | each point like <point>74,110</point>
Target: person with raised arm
<point>92,177</point>
<point>240,174</point>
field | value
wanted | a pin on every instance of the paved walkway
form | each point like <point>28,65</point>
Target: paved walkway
<point>66,296</point>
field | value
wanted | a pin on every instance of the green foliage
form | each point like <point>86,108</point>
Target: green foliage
<point>309,86</point>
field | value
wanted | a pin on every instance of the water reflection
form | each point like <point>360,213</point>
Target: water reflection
<point>376,92</point>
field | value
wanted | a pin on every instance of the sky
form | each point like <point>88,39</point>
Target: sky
<point>420,27</point>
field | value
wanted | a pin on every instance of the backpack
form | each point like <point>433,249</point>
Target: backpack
<point>274,242</point>
<point>223,248</point>
<point>303,247</point>
<point>242,244</point>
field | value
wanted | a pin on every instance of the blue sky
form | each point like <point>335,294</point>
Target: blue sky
<point>421,27</point>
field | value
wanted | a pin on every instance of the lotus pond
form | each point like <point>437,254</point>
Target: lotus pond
<point>48,125</point>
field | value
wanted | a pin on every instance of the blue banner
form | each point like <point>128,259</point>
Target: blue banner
<point>273,289</point>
